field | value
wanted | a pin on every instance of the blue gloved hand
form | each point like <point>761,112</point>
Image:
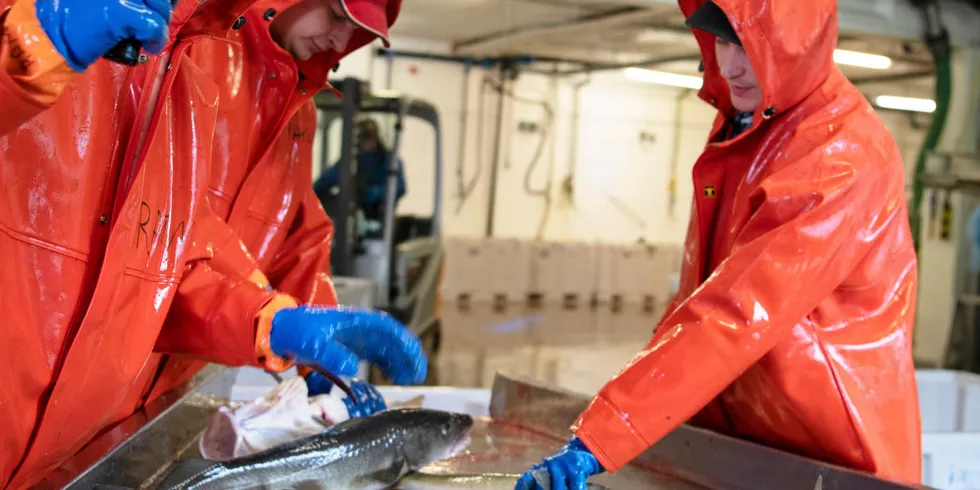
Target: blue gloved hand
<point>367,400</point>
<point>84,30</point>
<point>337,338</point>
<point>568,469</point>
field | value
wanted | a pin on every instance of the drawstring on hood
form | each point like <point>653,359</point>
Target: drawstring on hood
<point>790,46</point>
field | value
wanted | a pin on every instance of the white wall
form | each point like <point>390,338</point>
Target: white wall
<point>620,182</point>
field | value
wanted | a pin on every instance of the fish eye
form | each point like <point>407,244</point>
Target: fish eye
<point>446,428</point>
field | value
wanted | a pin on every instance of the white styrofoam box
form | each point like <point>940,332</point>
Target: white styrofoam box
<point>605,271</point>
<point>563,268</point>
<point>951,461</point>
<point>546,264</point>
<point>655,269</point>
<point>632,265</point>
<point>578,270</point>
<point>474,402</point>
<point>466,269</point>
<point>508,266</point>
<point>949,401</point>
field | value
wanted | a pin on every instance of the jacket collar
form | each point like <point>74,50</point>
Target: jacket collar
<point>206,17</point>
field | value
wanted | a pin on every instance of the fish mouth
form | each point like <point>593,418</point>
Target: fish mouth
<point>461,444</point>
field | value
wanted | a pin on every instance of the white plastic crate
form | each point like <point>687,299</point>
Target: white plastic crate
<point>563,269</point>
<point>637,274</point>
<point>951,461</point>
<point>466,270</point>
<point>605,271</point>
<point>949,401</point>
<point>949,405</point>
<point>508,268</point>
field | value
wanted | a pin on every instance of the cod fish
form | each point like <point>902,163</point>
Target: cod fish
<point>367,453</point>
<point>486,481</point>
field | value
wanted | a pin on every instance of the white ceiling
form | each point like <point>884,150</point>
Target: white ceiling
<point>602,32</point>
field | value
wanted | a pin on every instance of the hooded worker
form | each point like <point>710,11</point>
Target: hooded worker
<point>106,231</point>
<point>792,326</point>
<point>279,56</point>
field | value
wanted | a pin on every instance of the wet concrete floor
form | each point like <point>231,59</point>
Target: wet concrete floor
<point>576,348</point>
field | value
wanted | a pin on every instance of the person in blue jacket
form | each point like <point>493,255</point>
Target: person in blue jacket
<point>372,173</point>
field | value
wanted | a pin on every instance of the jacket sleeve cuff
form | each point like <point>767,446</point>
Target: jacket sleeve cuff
<point>259,278</point>
<point>263,346</point>
<point>31,60</point>
<point>606,431</point>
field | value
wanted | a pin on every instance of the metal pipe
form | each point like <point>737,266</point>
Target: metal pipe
<point>391,70</point>
<point>437,188</point>
<point>893,77</point>
<point>345,229</point>
<point>495,162</point>
<point>391,191</point>
<point>638,64</point>
<point>463,136</point>
<point>573,143</point>
<point>486,62</point>
<point>501,39</point>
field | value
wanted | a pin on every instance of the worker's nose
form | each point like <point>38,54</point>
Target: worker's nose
<point>729,64</point>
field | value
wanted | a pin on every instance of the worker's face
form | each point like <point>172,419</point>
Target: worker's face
<point>737,71</point>
<point>368,137</point>
<point>313,26</point>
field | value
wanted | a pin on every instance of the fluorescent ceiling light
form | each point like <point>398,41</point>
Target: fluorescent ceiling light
<point>663,78</point>
<point>905,103</point>
<point>863,60</point>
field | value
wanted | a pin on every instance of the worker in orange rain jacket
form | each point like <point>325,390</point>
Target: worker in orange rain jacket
<point>105,229</point>
<point>261,182</point>
<point>793,322</point>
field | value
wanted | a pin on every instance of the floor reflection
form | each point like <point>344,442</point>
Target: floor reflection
<point>575,348</point>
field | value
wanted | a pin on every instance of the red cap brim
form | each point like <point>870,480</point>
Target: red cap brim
<point>369,15</point>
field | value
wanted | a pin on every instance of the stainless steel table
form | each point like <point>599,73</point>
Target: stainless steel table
<point>528,420</point>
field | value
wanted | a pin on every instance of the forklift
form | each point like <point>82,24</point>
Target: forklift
<point>402,256</point>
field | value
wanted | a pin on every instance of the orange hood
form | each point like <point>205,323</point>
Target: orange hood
<point>318,67</point>
<point>790,45</point>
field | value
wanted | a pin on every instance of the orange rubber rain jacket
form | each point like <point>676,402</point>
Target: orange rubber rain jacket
<point>800,337</point>
<point>261,168</point>
<point>105,216</point>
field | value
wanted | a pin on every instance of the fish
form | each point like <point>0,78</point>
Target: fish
<point>365,453</point>
<point>486,481</point>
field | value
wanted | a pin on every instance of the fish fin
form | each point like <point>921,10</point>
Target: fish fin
<point>184,471</point>
<point>386,476</point>
<point>308,485</point>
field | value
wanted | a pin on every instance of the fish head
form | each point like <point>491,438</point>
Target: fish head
<point>435,435</point>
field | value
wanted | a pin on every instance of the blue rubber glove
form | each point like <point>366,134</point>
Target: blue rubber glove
<point>367,400</point>
<point>336,339</point>
<point>84,30</point>
<point>567,469</point>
